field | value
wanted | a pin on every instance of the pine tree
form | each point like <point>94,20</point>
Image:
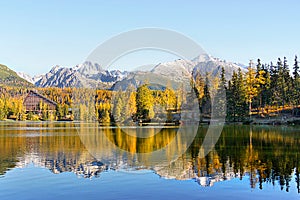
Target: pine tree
<point>288,87</point>
<point>266,93</point>
<point>220,100</point>
<point>296,69</point>
<point>281,82</point>
<point>242,110</point>
<point>258,66</point>
<point>296,83</point>
<point>223,81</point>
<point>206,102</point>
<point>237,106</point>
<point>231,97</point>
<point>274,88</point>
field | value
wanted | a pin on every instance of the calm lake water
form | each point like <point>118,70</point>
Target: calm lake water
<point>43,160</point>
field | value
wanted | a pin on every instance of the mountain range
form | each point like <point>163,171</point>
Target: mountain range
<point>92,75</point>
<point>178,72</point>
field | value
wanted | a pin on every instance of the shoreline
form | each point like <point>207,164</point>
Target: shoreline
<point>254,121</point>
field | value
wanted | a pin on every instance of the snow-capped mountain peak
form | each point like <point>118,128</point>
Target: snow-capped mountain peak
<point>55,69</point>
<point>203,58</point>
<point>92,75</point>
<point>87,74</point>
<point>25,76</point>
<point>89,68</point>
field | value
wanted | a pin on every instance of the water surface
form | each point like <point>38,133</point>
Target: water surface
<point>67,160</point>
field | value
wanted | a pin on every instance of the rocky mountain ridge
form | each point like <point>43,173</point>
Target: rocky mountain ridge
<point>92,75</point>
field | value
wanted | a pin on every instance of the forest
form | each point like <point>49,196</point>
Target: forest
<point>261,91</point>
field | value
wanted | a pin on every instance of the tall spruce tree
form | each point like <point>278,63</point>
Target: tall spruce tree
<point>265,93</point>
<point>296,68</point>
<point>206,102</point>
<point>232,97</point>
<point>288,87</point>
<point>219,101</point>
<point>281,82</point>
<point>242,110</point>
<point>296,83</point>
<point>237,106</point>
<point>259,76</point>
<point>223,79</point>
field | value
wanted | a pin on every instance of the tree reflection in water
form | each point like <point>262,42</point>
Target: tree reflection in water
<point>264,154</point>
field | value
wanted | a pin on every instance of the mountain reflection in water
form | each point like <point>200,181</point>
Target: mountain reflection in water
<point>264,154</point>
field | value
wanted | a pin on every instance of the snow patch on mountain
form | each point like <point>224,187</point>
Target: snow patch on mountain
<point>87,74</point>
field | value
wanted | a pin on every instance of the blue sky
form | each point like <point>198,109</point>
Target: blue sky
<point>36,35</point>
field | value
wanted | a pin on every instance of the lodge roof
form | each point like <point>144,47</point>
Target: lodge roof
<point>40,96</point>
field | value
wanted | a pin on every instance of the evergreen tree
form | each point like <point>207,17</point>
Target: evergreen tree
<point>237,106</point>
<point>275,95</point>
<point>242,110</point>
<point>265,92</point>
<point>220,102</point>
<point>206,102</point>
<point>288,81</point>
<point>223,79</point>
<point>296,83</point>
<point>296,69</point>
<point>231,98</point>
<point>281,82</point>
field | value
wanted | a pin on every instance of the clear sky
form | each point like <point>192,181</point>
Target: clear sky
<point>36,35</point>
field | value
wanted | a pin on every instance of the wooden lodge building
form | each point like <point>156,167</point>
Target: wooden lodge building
<point>32,102</point>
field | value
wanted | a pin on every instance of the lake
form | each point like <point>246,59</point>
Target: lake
<point>70,160</point>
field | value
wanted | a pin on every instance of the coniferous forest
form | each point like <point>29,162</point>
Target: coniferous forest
<point>263,91</point>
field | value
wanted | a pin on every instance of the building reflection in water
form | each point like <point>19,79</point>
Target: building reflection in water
<point>262,154</point>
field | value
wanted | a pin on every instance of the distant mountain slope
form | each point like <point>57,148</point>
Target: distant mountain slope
<point>179,71</point>
<point>25,76</point>
<point>88,75</point>
<point>134,79</point>
<point>11,78</point>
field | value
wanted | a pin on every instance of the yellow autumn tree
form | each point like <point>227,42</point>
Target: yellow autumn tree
<point>144,103</point>
<point>252,84</point>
